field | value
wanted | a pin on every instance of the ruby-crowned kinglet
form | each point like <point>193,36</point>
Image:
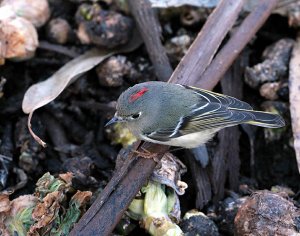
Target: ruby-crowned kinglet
<point>184,116</point>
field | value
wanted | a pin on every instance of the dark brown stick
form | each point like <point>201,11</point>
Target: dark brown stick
<point>235,45</point>
<point>201,181</point>
<point>203,49</point>
<point>151,33</point>
<point>232,85</point>
<point>105,213</point>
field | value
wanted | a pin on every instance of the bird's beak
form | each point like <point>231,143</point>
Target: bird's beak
<point>113,120</point>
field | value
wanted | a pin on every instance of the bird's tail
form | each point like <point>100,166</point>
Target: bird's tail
<point>265,119</point>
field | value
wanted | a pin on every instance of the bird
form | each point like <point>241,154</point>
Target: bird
<point>184,116</point>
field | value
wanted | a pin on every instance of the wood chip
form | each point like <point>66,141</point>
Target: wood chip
<point>294,87</point>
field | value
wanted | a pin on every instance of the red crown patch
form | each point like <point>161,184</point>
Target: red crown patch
<point>138,94</point>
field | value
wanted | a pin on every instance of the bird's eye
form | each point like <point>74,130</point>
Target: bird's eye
<point>135,116</point>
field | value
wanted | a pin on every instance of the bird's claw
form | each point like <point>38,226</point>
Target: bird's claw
<point>147,154</point>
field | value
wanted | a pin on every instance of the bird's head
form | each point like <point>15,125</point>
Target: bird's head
<point>136,105</point>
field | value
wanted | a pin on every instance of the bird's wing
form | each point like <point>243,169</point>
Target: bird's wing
<point>220,117</point>
<point>225,100</point>
<point>213,110</point>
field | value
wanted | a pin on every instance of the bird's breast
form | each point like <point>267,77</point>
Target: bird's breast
<point>187,141</point>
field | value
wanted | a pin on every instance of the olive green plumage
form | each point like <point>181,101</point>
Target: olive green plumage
<point>178,115</point>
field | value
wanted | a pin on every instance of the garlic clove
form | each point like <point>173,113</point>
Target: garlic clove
<point>18,37</point>
<point>36,11</point>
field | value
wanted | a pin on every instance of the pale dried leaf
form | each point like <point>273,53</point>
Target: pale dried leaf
<point>46,91</point>
<point>169,173</point>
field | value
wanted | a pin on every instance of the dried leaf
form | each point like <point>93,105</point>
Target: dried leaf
<point>4,203</point>
<point>43,214</point>
<point>3,230</point>
<point>47,184</point>
<point>19,218</point>
<point>294,87</point>
<point>46,212</point>
<point>169,173</point>
<point>80,198</point>
<point>22,202</point>
<point>67,177</point>
<point>78,202</point>
<point>46,91</point>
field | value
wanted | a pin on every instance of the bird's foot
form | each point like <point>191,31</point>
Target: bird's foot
<point>147,154</point>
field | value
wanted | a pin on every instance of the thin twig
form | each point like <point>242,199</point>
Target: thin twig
<point>58,48</point>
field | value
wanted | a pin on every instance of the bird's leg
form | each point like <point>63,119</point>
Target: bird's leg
<point>147,154</point>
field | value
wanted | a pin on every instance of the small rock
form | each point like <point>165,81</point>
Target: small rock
<point>266,213</point>
<point>111,72</point>
<point>82,168</point>
<point>274,66</point>
<point>196,223</point>
<point>103,28</point>
<point>58,31</point>
<point>269,90</point>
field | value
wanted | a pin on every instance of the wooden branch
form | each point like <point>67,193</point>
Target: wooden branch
<point>235,45</point>
<point>229,148</point>
<point>109,207</point>
<point>201,181</point>
<point>150,30</point>
<point>203,49</point>
<point>103,215</point>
